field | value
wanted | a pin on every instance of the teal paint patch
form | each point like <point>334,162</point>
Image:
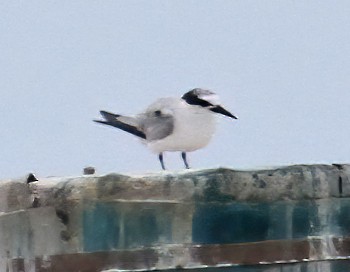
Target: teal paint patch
<point>234,223</point>
<point>108,226</point>
<point>147,226</point>
<point>249,222</point>
<point>143,228</point>
<point>278,221</point>
<point>100,228</point>
<point>305,219</point>
<point>343,217</point>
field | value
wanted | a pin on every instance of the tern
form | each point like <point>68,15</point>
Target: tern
<point>173,124</point>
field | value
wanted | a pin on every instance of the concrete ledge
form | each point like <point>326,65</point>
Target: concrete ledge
<point>214,218</point>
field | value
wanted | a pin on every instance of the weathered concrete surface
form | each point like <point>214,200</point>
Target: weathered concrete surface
<point>298,216</point>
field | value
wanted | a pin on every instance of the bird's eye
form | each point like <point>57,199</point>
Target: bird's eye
<point>158,113</point>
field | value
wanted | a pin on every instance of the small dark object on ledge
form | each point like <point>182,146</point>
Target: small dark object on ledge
<point>31,178</point>
<point>36,202</point>
<point>89,170</point>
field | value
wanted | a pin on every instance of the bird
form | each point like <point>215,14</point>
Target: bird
<point>173,124</point>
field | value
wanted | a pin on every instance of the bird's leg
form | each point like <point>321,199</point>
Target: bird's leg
<point>160,156</point>
<point>183,155</point>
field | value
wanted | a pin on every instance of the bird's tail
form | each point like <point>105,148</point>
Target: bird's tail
<point>127,124</point>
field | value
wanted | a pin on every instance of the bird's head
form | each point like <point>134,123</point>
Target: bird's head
<point>206,99</point>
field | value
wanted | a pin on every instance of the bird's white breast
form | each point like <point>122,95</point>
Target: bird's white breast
<point>193,128</point>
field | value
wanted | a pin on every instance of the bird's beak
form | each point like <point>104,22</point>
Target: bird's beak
<point>221,110</point>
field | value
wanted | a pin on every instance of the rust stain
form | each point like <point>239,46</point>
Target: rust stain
<point>18,265</point>
<point>190,256</point>
<point>342,246</point>
<point>97,261</point>
<point>251,253</point>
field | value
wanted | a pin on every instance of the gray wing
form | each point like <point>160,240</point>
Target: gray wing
<point>128,124</point>
<point>157,127</point>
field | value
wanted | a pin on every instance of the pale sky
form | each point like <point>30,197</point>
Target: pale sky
<point>283,67</point>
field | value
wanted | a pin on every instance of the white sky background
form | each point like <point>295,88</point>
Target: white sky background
<point>283,67</point>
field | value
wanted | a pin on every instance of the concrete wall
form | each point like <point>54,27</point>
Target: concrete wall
<point>295,218</point>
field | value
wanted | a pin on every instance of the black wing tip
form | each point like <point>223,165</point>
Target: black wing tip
<point>99,121</point>
<point>107,114</point>
<point>103,112</point>
<point>111,120</point>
